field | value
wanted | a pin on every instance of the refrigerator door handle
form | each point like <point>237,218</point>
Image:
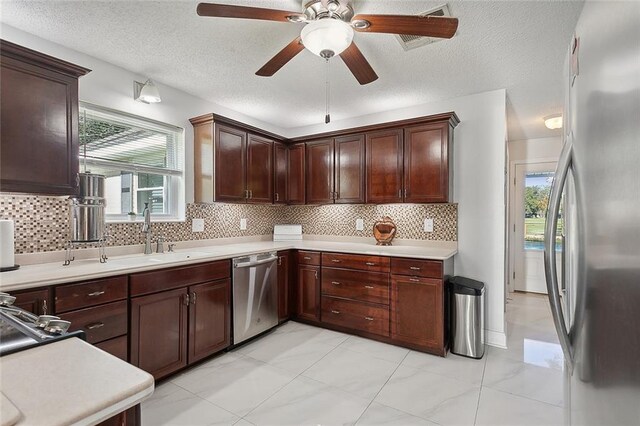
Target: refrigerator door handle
<point>550,267</point>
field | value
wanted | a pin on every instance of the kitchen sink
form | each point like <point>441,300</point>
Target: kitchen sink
<point>159,258</point>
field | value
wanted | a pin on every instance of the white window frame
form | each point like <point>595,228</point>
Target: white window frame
<point>174,190</point>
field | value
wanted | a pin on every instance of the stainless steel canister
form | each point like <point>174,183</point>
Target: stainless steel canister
<point>91,188</point>
<point>86,221</point>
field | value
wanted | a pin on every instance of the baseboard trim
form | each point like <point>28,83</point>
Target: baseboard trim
<point>495,338</point>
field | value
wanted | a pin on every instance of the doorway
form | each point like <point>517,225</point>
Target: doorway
<point>531,196</point>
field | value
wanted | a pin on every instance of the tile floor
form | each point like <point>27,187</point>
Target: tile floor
<point>303,375</point>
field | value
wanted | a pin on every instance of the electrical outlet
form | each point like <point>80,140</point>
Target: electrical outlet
<point>197,225</point>
<point>428,225</point>
<point>243,224</point>
<point>359,225</point>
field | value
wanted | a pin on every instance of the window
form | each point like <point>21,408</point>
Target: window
<point>142,159</point>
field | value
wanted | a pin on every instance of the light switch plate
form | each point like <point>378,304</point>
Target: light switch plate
<point>197,225</point>
<point>359,224</point>
<point>243,224</point>
<point>428,225</point>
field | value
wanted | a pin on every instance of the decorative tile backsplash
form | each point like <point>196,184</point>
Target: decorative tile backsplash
<point>42,223</point>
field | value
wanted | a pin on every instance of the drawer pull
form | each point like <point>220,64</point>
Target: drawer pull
<point>370,264</point>
<point>414,268</point>
<point>193,298</point>
<point>336,260</point>
<point>95,325</point>
<point>370,287</point>
<point>96,293</point>
<point>335,283</point>
<point>306,258</point>
<point>335,312</point>
<point>417,280</point>
<point>369,318</point>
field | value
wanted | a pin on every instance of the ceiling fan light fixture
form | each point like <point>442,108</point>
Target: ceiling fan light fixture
<point>146,92</point>
<point>327,35</point>
<point>296,18</point>
<point>553,122</point>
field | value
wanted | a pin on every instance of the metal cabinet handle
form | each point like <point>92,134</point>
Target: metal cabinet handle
<point>336,260</point>
<point>246,193</point>
<point>333,311</point>
<point>250,194</point>
<point>185,299</point>
<point>95,325</point>
<point>414,268</point>
<point>306,258</point>
<point>44,307</point>
<point>370,287</point>
<point>417,280</point>
<point>279,260</point>
<point>370,264</point>
<point>277,197</point>
<point>335,283</point>
<point>399,193</point>
<point>316,272</point>
<point>96,293</point>
<point>193,298</point>
<point>369,318</point>
<point>406,192</point>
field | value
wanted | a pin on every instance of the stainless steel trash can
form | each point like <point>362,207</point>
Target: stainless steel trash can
<point>467,317</point>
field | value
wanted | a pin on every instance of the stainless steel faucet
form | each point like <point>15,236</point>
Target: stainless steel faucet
<point>146,229</point>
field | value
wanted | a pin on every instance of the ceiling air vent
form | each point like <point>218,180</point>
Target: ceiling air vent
<point>409,42</point>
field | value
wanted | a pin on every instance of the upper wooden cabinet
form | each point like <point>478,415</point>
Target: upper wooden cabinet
<point>296,180</point>
<point>233,162</point>
<point>384,166</point>
<point>319,172</point>
<point>280,173</point>
<point>349,169</point>
<point>38,122</point>
<point>426,163</point>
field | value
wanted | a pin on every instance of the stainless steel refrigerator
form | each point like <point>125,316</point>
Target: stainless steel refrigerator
<point>596,301</point>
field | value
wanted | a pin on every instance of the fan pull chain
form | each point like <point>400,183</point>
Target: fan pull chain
<point>327,117</point>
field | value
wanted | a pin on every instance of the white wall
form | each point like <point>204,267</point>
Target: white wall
<point>535,150</point>
<point>479,188</point>
<point>110,86</point>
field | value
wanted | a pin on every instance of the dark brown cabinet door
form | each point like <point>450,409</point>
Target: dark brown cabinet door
<point>280,174</point>
<point>319,173</point>
<point>426,163</point>
<point>203,169</point>
<point>209,318</point>
<point>417,312</point>
<point>350,169</point>
<point>384,166</point>
<point>259,170</point>
<point>231,157</point>
<point>39,122</point>
<point>308,293</point>
<point>159,332</point>
<point>283,285</point>
<point>36,301</point>
<point>296,174</point>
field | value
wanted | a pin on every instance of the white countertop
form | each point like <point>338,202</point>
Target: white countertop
<point>68,382</point>
<point>37,275</point>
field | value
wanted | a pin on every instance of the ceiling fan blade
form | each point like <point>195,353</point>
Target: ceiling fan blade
<point>281,58</point>
<point>358,64</point>
<point>428,26</point>
<point>227,11</point>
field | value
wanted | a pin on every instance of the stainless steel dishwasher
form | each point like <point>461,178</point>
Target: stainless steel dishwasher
<point>255,295</point>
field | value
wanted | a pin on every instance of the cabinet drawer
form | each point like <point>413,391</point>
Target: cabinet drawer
<point>91,293</point>
<point>309,258</point>
<point>100,322</point>
<point>356,261</point>
<point>166,279</point>
<point>116,347</point>
<point>356,315</point>
<point>417,267</point>
<point>364,286</point>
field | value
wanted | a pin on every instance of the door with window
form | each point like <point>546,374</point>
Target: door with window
<point>532,187</point>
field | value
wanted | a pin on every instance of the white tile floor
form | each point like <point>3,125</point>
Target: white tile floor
<point>302,375</point>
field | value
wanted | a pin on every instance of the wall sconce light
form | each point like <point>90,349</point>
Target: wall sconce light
<point>553,121</point>
<point>146,92</point>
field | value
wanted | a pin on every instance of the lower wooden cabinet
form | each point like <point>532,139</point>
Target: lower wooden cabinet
<point>117,347</point>
<point>284,290</point>
<point>417,312</point>
<point>367,317</point>
<point>209,319</point>
<point>130,417</point>
<point>36,301</point>
<point>308,293</point>
<point>173,328</point>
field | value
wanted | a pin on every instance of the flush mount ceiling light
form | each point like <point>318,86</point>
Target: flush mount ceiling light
<point>146,92</point>
<point>327,37</point>
<point>553,121</point>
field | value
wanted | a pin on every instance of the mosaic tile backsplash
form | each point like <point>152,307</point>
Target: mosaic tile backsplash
<point>41,223</point>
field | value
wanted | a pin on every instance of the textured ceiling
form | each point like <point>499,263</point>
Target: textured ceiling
<point>517,45</point>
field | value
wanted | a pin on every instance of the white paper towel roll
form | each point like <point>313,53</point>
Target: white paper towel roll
<point>7,256</point>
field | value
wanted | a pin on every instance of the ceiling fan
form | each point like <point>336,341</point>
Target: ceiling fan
<point>329,31</point>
